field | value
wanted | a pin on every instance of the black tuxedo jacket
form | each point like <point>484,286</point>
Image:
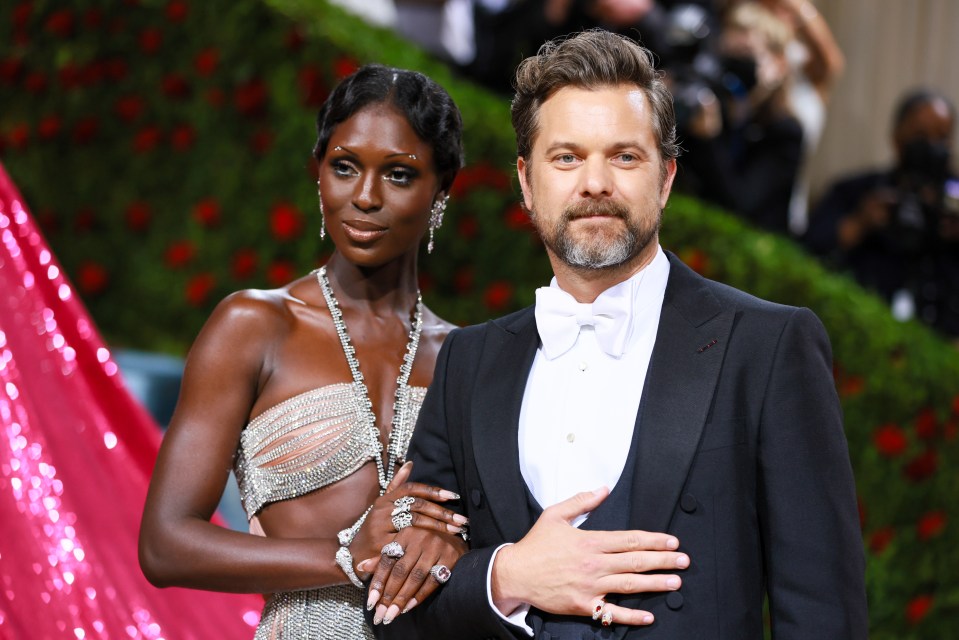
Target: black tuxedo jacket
<point>741,456</point>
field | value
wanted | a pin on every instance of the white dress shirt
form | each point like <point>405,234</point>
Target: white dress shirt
<point>580,406</point>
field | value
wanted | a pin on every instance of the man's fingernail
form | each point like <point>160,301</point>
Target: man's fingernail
<point>682,561</point>
<point>672,543</point>
<point>647,619</point>
<point>372,599</point>
<point>673,583</point>
<point>409,605</point>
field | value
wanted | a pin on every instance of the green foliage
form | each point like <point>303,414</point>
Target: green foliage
<point>164,147</point>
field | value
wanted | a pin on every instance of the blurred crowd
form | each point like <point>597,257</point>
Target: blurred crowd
<point>751,81</point>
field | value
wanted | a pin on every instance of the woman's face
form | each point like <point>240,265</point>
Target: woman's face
<point>378,183</point>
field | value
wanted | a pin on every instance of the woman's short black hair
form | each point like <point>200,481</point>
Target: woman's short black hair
<point>427,107</point>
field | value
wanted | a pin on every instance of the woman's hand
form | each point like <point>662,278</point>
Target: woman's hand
<point>399,584</point>
<point>420,505</point>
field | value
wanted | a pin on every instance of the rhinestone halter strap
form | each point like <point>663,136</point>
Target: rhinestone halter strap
<point>384,472</point>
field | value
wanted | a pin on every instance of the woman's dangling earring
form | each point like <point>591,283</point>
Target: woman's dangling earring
<point>322,215</point>
<point>436,219</point>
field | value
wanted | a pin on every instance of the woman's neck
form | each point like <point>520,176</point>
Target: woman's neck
<point>390,287</point>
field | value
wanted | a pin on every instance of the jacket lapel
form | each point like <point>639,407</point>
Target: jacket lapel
<point>687,357</point>
<point>500,383</point>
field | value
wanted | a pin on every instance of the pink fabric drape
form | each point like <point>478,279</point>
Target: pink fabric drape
<point>76,452</point>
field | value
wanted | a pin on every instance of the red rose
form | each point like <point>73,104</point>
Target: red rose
<point>115,68</point>
<point>176,11</point>
<point>92,18</point>
<point>147,139</point>
<point>294,39</point>
<point>60,23</point>
<point>150,40</point>
<point>696,260</point>
<point>91,278</point>
<point>930,525</point>
<point>85,219</point>
<point>955,405</point>
<point>175,86</point>
<point>497,295</point>
<point>183,137</point>
<point>467,227</point>
<point>198,288</point>
<point>179,254</point>
<point>889,440</point>
<point>215,97</point>
<point>922,466</point>
<point>250,98</point>
<point>49,127</point>
<point>207,212</point>
<point>285,221</point>
<point>85,130</point>
<point>19,136</point>
<point>21,14</point>
<point>926,424</point>
<point>918,608</point>
<point>10,69</point>
<point>851,386</point>
<point>35,82</point>
<point>279,273</point>
<point>138,216</point>
<point>244,264</point>
<point>206,61</point>
<point>130,107</point>
<point>463,280</point>
<point>344,66</point>
<point>313,92</point>
<point>261,142</point>
<point>516,217</point>
<point>880,539</point>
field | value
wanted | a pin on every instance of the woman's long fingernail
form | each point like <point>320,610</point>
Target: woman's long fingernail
<point>449,495</point>
<point>460,519</point>
<point>452,528</point>
<point>409,605</point>
<point>372,599</point>
<point>378,616</point>
<point>391,613</point>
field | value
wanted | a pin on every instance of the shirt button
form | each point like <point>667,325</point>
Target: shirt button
<point>583,366</point>
<point>570,437</point>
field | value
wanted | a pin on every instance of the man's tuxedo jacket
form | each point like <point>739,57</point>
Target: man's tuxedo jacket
<point>741,456</point>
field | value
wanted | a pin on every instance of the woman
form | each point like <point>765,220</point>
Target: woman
<point>301,388</point>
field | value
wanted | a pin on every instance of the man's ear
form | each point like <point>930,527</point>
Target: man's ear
<point>524,182</point>
<point>667,182</point>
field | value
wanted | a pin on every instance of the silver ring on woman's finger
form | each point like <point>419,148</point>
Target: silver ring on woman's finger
<point>402,520</point>
<point>404,502</point>
<point>393,550</point>
<point>607,617</point>
<point>441,573</point>
<point>598,609</point>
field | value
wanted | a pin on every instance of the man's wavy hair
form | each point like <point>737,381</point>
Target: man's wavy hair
<point>590,60</point>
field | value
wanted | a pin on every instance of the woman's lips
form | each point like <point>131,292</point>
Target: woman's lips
<point>363,230</point>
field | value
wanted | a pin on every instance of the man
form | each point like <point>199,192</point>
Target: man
<point>897,230</point>
<point>710,415</point>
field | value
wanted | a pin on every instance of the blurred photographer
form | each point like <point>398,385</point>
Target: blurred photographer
<point>744,144</point>
<point>897,230</point>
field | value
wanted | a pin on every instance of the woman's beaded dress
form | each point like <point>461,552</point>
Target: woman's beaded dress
<point>305,443</point>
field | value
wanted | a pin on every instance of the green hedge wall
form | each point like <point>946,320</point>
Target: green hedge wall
<point>164,147</point>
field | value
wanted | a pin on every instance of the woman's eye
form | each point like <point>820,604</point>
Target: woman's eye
<point>399,176</point>
<point>343,169</point>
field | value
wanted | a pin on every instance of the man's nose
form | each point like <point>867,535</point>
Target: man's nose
<point>596,178</point>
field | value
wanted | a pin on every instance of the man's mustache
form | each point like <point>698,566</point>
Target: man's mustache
<point>588,209</point>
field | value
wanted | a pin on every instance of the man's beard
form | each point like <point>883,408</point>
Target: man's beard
<point>604,249</point>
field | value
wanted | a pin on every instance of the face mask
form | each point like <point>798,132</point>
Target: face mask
<point>739,74</point>
<point>926,161</point>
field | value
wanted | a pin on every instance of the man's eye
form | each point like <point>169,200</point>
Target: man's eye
<point>567,158</point>
<point>627,157</point>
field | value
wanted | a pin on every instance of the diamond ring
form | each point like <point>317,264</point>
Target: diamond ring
<point>441,573</point>
<point>393,550</point>
<point>402,520</point>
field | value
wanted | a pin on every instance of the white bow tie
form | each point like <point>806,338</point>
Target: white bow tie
<point>559,318</point>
